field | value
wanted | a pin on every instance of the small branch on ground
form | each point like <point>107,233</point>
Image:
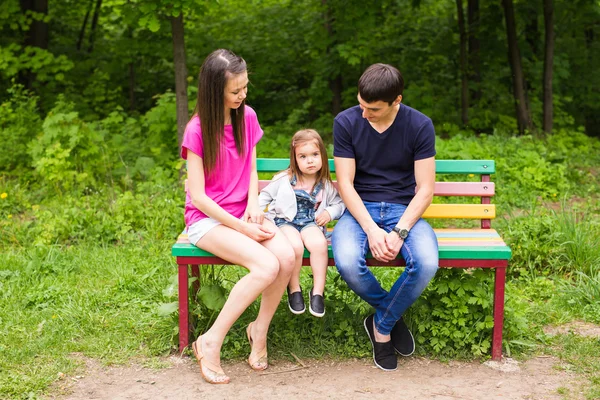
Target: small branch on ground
<point>297,359</point>
<point>290,369</point>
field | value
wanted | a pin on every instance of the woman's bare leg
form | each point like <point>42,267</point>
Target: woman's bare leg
<point>295,239</point>
<point>281,247</point>
<point>264,267</point>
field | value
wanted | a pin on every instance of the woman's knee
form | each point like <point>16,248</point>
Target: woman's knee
<point>267,270</point>
<point>287,260</point>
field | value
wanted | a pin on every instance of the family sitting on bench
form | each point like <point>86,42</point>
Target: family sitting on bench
<point>383,151</point>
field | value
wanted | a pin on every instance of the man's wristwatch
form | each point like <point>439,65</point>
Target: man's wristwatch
<point>403,233</point>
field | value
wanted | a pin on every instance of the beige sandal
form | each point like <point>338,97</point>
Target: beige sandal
<point>257,362</point>
<point>215,373</point>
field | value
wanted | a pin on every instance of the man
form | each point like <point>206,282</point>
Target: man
<point>384,155</point>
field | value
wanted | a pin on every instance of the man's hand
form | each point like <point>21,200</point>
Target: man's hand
<point>378,243</point>
<point>394,243</point>
<point>323,218</point>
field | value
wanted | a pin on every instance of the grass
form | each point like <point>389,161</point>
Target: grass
<point>95,300</point>
<point>103,302</point>
<point>114,303</point>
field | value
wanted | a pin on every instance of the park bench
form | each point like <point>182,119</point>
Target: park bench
<point>480,247</point>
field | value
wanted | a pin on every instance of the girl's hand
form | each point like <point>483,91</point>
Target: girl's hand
<point>254,214</point>
<point>323,218</point>
<point>256,231</point>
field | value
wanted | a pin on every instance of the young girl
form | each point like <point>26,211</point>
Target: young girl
<point>301,201</point>
<point>221,211</point>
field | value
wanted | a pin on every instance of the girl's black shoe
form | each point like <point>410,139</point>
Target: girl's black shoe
<point>296,302</point>
<point>316,304</point>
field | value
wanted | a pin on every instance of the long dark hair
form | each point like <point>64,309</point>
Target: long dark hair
<point>217,69</point>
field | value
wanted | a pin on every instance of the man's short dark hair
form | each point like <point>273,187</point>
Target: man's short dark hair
<point>380,82</point>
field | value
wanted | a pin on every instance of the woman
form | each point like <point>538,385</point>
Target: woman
<point>222,213</point>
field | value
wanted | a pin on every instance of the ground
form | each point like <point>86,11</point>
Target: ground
<point>416,378</point>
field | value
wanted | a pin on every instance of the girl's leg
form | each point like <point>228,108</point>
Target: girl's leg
<point>295,239</point>
<point>264,266</point>
<point>316,244</point>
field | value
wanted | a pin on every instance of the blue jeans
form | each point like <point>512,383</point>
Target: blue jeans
<point>420,250</point>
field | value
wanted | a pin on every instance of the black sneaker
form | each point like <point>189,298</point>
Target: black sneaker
<point>402,339</point>
<point>316,304</point>
<point>296,302</point>
<point>383,353</point>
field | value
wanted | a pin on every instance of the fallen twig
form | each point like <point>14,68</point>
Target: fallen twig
<point>297,359</point>
<point>281,372</point>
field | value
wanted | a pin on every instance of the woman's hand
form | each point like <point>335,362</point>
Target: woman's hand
<point>323,218</point>
<point>254,214</point>
<point>256,231</point>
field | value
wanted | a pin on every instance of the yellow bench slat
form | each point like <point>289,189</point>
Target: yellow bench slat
<point>485,211</point>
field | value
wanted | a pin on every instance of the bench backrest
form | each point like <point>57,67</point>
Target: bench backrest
<point>466,169</point>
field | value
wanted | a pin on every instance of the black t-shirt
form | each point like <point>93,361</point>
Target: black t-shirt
<point>385,162</point>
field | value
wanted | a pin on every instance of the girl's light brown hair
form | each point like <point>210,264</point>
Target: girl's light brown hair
<point>308,135</point>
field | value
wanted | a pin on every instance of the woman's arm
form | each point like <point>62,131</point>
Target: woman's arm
<point>253,212</point>
<point>196,188</point>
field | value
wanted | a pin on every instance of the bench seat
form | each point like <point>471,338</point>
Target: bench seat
<point>472,247</point>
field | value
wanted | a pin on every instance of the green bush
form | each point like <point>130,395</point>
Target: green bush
<point>69,153</point>
<point>19,124</point>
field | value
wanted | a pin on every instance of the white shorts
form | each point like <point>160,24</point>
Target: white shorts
<point>200,228</point>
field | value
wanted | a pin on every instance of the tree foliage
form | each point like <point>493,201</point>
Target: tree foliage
<point>305,56</point>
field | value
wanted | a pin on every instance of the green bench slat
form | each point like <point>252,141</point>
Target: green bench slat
<point>446,252</point>
<point>441,166</point>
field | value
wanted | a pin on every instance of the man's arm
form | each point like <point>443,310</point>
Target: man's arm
<point>345,170</point>
<point>425,178</point>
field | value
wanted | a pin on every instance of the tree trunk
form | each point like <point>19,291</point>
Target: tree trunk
<point>514,57</point>
<point>35,36</point>
<point>180,75</point>
<point>335,82</point>
<point>590,113</point>
<point>473,60</point>
<point>464,90</point>
<point>131,68</point>
<point>336,85</point>
<point>548,62</point>
<point>85,21</point>
<point>94,25</point>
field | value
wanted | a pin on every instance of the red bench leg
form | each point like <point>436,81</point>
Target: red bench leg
<point>500,280</point>
<point>184,330</point>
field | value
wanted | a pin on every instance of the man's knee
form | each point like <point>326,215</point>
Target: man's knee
<point>426,268</point>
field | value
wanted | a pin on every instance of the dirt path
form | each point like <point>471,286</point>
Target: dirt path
<point>416,378</point>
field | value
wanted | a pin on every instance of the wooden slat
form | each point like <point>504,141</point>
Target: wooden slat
<point>441,188</point>
<point>477,167</point>
<point>474,211</point>
<point>475,244</point>
<point>464,189</point>
<point>445,252</point>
